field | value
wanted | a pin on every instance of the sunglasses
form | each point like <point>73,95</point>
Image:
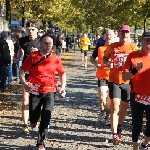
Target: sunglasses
<point>31,29</point>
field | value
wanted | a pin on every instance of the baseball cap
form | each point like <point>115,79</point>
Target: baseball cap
<point>146,34</point>
<point>124,27</point>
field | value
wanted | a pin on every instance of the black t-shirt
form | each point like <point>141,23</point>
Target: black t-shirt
<point>95,52</point>
<point>5,57</point>
<point>26,45</point>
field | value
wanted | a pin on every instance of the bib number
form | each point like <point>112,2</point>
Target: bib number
<point>34,89</point>
<point>119,60</point>
<point>142,99</point>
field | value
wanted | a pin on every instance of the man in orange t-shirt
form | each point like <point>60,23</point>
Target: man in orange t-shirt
<point>102,74</point>
<point>137,70</point>
<point>118,89</point>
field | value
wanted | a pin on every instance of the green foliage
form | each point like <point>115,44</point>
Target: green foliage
<point>84,14</point>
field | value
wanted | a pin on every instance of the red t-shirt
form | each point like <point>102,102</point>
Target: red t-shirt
<point>140,82</point>
<point>43,74</point>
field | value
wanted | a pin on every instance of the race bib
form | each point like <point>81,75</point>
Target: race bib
<point>119,60</point>
<point>142,99</point>
<point>34,89</point>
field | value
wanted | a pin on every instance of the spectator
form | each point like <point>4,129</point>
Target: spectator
<point>5,61</point>
<point>11,49</point>
<point>17,59</point>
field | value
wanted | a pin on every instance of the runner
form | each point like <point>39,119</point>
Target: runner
<point>102,74</point>
<point>85,42</point>
<point>28,45</point>
<point>118,89</point>
<point>41,85</point>
<point>137,68</point>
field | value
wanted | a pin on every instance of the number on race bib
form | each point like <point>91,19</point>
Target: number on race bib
<point>142,99</point>
<point>119,60</point>
<point>34,89</point>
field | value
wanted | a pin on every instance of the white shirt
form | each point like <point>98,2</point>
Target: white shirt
<point>63,44</point>
<point>11,47</point>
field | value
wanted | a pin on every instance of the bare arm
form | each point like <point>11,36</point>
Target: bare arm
<point>93,61</point>
<point>22,76</point>
<point>23,81</point>
<point>129,75</point>
<point>63,80</point>
<point>63,84</point>
<point>106,61</point>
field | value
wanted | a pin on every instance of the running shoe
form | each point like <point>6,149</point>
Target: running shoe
<point>83,65</point>
<point>35,127</point>
<point>116,139</point>
<point>41,147</point>
<point>25,129</point>
<point>141,147</point>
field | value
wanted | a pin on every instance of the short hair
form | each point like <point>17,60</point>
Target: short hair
<point>44,36</point>
<point>31,23</point>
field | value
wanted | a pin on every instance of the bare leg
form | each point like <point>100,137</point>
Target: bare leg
<point>25,106</point>
<point>114,114</point>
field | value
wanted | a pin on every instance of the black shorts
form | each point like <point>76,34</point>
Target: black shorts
<point>84,51</point>
<point>102,82</point>
<point>121,91</point>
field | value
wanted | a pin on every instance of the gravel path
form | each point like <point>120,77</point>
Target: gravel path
<point>74,123</point>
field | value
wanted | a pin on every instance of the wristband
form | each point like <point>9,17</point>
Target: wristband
<point>134,71</point>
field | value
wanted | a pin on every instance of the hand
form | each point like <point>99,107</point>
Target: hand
<point>27,86</point>
<point>62,92</point>
<point>139,66</point>
<point>109,65</point>
<point>34,49</point>
<point>98,66</point>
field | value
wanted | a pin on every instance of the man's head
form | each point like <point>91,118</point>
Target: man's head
<point>52,30</point>
<point>110,36</point>
<point>32,29</point>
<point>146,41</point>
<point>46,43</point>
<point>124,33</point>
<point>85,35</point>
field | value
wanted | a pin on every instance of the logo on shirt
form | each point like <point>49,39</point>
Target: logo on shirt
<point>25,44</point>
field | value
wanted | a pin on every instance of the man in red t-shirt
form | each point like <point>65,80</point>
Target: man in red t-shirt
<point>137,70</point>
<point>42,84</point>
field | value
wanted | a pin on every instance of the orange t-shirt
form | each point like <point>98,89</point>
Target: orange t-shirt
<point>102,73</point>
<point>118,54</point>
<point>140,82</point>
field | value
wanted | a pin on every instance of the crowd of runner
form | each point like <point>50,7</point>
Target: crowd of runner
<point>122,71</point>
